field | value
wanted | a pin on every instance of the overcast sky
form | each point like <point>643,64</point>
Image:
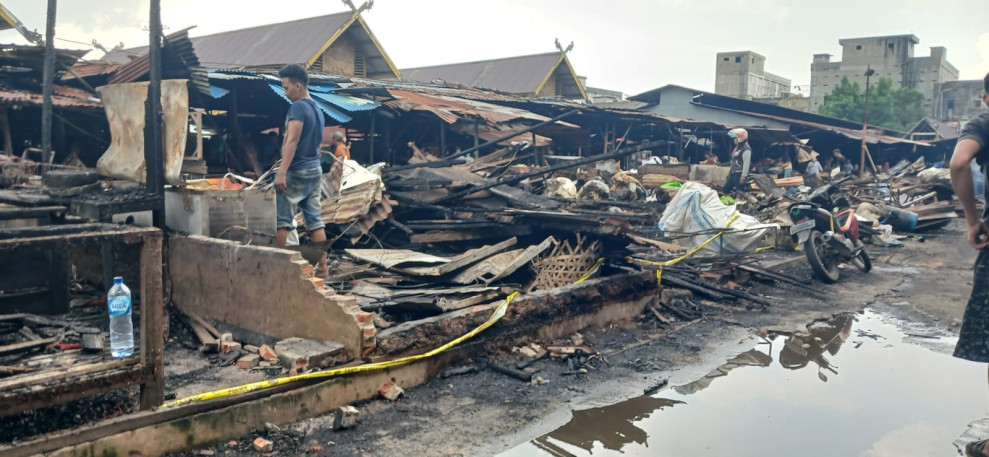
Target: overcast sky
<point>627,45</point>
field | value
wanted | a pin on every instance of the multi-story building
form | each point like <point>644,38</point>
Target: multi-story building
<point>742,74</point>
<point>958,100</point>
<point>890,57</point>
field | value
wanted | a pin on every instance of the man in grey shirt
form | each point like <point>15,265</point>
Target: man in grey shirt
<point>299,176</point>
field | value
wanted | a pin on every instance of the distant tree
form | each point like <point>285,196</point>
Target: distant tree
<point>896,109</point>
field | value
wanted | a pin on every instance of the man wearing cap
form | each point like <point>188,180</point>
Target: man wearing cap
<point>741,159</point>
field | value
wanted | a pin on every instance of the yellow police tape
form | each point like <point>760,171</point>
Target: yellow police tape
<point>498,313</point>
<point>660,265</point>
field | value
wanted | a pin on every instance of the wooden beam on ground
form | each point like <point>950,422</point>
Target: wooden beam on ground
<point>25,346</point>
<point>547,170</point>
<point>441,236</point>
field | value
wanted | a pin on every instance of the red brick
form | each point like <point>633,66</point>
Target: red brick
<point>263,445</point>
<point>229,346</point>
<point>390,391</point>
<point>267,353</point>
<point>318,282</point>
<point>248,361</point>
<point>365,317</point>
<point>308,270</point>
<point>370,332</point>
<point>344,300</point>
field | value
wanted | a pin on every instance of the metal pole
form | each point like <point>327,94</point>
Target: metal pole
<point>153,137</point>
<point>865,119</point>
<point>49,79</point>
<point>374,114</point>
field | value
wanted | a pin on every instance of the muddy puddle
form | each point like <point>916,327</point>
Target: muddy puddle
<point>856,385</point>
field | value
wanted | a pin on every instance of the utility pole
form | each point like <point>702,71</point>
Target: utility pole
<point>153,137</point>
<point>865,119</point>
<point>49,79</point>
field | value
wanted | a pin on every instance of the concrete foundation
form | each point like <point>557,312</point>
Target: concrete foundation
<point>266,290</point>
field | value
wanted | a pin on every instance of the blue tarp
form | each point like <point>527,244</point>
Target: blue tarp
<point>329,110</point>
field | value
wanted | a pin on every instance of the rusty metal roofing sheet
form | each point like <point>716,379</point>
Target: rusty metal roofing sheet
<point>517,75</point>
<point>179,61</point>
<point>453,90</point>
<point>451,109</point>
<point>22,97</point>
<point>85,69</point>
<point>273,44</point>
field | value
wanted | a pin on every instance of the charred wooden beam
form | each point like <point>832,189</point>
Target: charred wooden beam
<point>542,171</point>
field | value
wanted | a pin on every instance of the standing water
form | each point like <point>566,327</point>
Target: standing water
<point>851,386</point>
<point>121,327</point>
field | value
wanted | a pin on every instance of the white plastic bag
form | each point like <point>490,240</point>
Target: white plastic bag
<point>697,210</point>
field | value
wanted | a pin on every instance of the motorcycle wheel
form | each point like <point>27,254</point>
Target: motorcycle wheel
<point>821,261</point>
<point>862,261</point>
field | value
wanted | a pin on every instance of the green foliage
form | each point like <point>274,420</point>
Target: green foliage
<point>896,109</point>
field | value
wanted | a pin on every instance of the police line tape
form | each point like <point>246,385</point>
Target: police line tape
<point>498,313</point>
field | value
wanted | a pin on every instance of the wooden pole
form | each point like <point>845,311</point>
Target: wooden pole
<point>49,79</point>
<point>8,142</point>
<point>373,133</point>
<point>442,137</point>
<point>154,142</point>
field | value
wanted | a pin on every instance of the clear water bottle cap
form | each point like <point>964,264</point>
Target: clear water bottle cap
<point>118,279</point>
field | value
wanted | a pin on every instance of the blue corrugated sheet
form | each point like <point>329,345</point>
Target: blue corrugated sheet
<point>348,103</point>
<point>329,110</point>
<point>217,92</point>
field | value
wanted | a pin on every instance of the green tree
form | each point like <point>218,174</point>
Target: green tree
<point>896,109</point>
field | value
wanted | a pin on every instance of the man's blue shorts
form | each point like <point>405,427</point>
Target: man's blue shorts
<point>302,191</point>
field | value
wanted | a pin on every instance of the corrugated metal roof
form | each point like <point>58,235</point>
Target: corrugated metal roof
<point>84,69</point>
<point>22,97</point>
<point>451,109</point>
<point>265,45</point>
<point>352,104</point>
<point>329,110</point>
<point>516,75</point>
<point>179,61</point>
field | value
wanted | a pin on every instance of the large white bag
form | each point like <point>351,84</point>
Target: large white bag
<point>697,211</point>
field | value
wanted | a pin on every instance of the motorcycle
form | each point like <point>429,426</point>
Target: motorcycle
<point>829,232</point>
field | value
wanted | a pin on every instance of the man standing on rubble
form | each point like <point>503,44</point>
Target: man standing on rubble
<point>973,340</point>
<point>741,159</point>
<point>299,176</point>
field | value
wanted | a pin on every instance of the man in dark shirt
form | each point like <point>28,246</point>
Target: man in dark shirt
<point>973,340</point>
<point>299,176</point>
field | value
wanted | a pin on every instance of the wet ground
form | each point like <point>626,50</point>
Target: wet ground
<point>856,385</point>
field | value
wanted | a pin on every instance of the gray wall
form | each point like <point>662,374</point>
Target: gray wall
<point>676,102</point>
<point>958,100</point>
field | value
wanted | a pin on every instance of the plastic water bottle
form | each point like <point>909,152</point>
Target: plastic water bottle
<point>121,326</point>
